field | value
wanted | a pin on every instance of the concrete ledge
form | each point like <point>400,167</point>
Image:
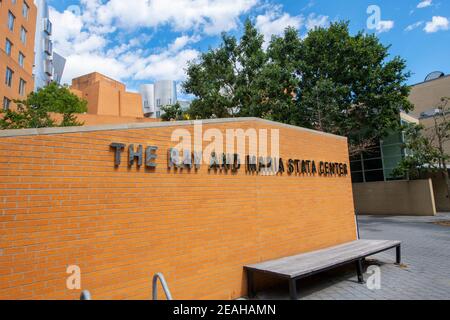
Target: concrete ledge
<point>62,130</point>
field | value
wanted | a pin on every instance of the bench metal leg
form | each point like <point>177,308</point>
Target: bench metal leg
<point>359,271</point>
<point>293,289</point>
<point>398,255</point>
<point>250,284</point>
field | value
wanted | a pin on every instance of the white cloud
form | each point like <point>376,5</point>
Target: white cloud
<point>424,4</point>
<point>414,26</point>
<point>84,41</point>
<point>315,21</point>
<point>182,41</point>
<point>274,23</point>
<point>167,66</point>
<point>209,16</point>
<point>436,24</point>
<point>384,26</point>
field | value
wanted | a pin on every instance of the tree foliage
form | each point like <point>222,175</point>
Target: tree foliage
<point>426,147</point>
<point>34,112</point>
<point>329,81</point>
<point>173,113</point>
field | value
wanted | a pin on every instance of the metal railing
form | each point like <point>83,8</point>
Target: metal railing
<point>85,295</point>
<point>160,277</point>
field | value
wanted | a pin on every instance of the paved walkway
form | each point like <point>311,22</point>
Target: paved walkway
<point>424,275</point>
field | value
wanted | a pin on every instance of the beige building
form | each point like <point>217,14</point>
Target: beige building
<point>17,31</point>
<point>107,97</point>
<point>426,96</point>
<point>375,190</point>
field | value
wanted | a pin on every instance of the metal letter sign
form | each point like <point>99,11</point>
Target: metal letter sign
<point>225,162</point>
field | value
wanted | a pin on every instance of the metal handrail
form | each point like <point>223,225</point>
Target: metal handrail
<point>85,295</point>
<point>164,285</point>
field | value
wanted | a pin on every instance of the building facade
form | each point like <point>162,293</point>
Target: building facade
<point>426,97</point>
<point>59,63</point>
<point>106,96</point>
<point>155,96</point>
<point>148,100</point>
<point>48,65</point>
<point>17,36</point>
<point>122,223</point>
<point>43,64</point>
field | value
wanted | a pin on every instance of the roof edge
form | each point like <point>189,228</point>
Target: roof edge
<point>111,127</point>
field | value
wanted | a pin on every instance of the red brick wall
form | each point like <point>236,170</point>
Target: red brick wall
<point>62,202</point>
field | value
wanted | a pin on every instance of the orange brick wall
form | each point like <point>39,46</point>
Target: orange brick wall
<point>106,96</point>
<point>62,202</point>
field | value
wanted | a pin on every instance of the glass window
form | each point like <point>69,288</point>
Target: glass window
<point>22,87</point>
<point>6,103</point>
<point>25,10</point>
<point>21,59</point>
<point>11,20</point>
<point>9,77</point>
<point>48,26</point>
<point>357,177</point>
<point>8,47</point>
<point>376,175</point>
<point>14,1</point>
<point>23,35</point>
<point>373,164</point>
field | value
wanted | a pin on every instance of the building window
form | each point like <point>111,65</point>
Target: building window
<point>368,166</point>
<point>9,77</point>
<point>23,35</point>
<point>47,26</point>
<point>11,20</point>
<point>25,10</point>
<point>14,1</point>
<point>8,47</point>
<point>22,87</point>
<point>6,103</point>
<point>21,59</point>
<point>48,67</point>
<point>48,46</point>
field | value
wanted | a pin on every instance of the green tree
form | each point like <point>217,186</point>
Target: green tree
<point>329,81</point>
<point>349,86</point>
<point>34,112</point>
<point>173,112</point>
<point>426,147</point>
<point>226,80</point>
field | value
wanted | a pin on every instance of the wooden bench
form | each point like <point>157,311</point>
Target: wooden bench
<point>306,264</point>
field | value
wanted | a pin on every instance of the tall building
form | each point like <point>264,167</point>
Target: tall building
<point>59,63</point>
<point>17,34</point>
<point>43,59</point>
<point>426,97</point>
<point>155,96</point>
<point>106,96</point>
<point>148,99</point>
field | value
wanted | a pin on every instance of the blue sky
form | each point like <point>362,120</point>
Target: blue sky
<point>140,41</point>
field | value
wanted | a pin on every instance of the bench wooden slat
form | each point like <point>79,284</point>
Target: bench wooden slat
<point>311,262</point>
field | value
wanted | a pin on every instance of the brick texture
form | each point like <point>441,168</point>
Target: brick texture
<point>62,202</point>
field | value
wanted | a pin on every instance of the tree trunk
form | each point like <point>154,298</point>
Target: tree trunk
<point>447,180</point>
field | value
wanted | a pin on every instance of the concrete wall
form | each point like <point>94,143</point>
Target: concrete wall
<point>63,202</point>
<point>94,119</point>
<point>440,192</point>
<point>395,198</point>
